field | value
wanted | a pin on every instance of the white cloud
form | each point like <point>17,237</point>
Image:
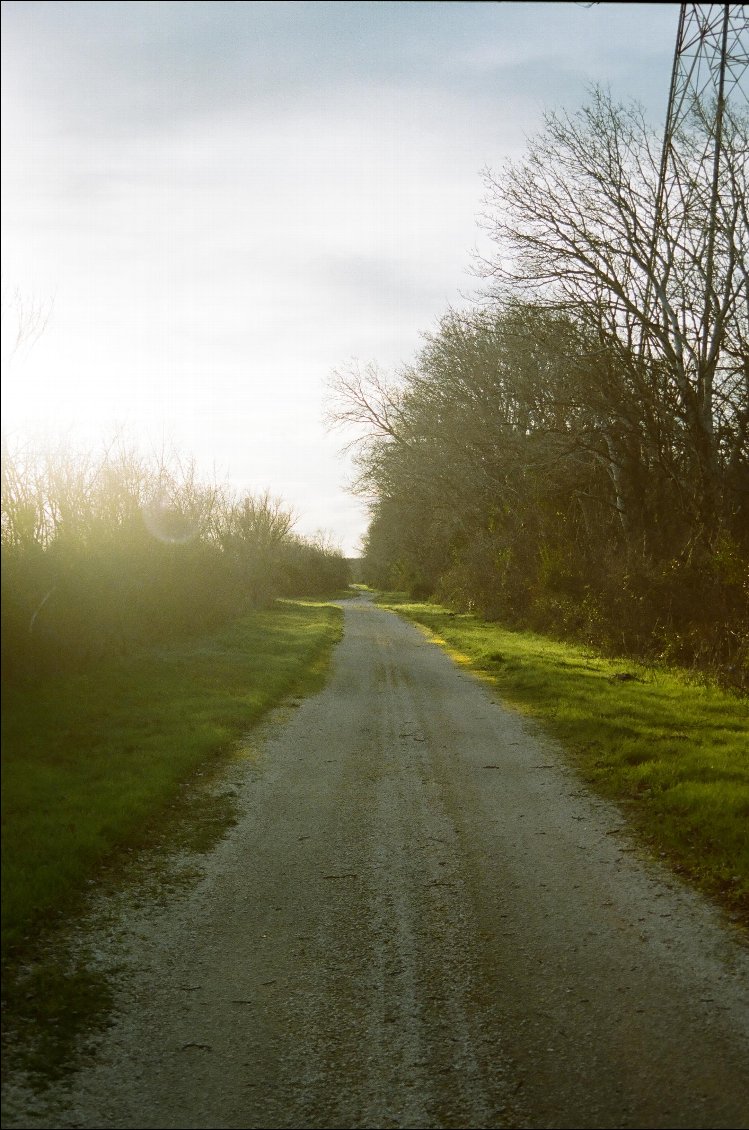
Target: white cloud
<point>229,201</point>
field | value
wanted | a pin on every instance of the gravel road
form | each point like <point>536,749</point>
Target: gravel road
<point>422,919</point>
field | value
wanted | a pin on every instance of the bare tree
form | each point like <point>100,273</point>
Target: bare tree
<point>367,401</point>
<point>574,223</point>
<point>24,321</point>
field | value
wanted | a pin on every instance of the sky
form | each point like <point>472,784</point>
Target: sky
<point>213,206</point>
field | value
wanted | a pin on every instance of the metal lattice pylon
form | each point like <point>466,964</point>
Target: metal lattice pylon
<point>710,60</point>
<point>710,79</point>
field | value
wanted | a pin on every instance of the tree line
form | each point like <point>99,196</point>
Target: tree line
<point>104,554</point>
<point>570,453</point>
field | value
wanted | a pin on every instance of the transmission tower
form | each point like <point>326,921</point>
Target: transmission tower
<point>710,79</point>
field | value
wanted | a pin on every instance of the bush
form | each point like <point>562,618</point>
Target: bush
<point>102,556</point>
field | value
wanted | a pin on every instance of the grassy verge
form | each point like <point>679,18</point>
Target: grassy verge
<point>93,764</point>
<point>674,753</point>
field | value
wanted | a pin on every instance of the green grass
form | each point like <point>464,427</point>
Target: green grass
<point>94,765</point>
<point>672,752</point>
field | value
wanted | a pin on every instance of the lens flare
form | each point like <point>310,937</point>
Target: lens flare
<point>168,523</point>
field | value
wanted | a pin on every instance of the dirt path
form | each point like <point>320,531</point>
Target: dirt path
<point>422,920</point>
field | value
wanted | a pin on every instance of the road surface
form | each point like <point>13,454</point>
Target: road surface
<point>422,919</point>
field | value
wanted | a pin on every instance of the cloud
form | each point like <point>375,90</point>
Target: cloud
<point>118,69</point>
<point>229,200</point>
